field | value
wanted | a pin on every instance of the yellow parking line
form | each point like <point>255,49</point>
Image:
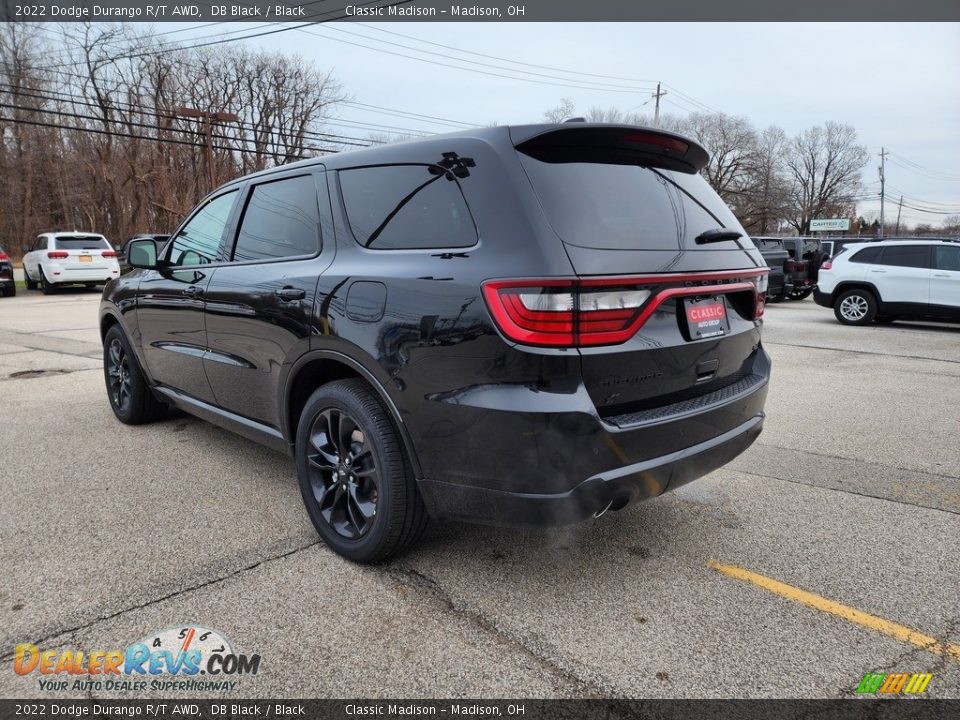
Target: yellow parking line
<point>818,602</point>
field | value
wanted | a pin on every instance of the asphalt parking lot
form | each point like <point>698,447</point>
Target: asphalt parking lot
<point>789,573</point>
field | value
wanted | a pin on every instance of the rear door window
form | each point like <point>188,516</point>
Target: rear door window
<point>912,256</point>
<point>406,207</point>
<point>869,256</point>
<point>627,207</point>
<point>281,220</point>
<point>73,242</point>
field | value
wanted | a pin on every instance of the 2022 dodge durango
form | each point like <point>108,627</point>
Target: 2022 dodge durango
<point>516,325</point>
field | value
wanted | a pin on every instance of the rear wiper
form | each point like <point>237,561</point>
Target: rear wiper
<point>717,235</point>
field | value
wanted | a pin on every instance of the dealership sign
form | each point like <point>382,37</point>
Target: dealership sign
<point>834,224</point>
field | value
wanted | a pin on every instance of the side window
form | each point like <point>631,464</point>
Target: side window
<point>405,207</point>
<point>280,220</point>
<point>198,241</point>
<point>41,243</point>
<point>867,255</point>
<point>948,258</point>
<point>912,256</point>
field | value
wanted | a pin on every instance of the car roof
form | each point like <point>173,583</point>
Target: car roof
<point>498,136</point>
<point>72,233</point>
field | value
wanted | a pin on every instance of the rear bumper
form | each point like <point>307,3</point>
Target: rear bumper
<point>822,298</point>
<point>562,464</point>
<point>83,275</point>
<point>612,489</point>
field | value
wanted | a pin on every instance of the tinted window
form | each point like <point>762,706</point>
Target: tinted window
<point>72,242</point>
<point>281,220</point>
<point>867,255</point>
<point>915,256</point>
<point>599,205</point>
<point>948,258</point>
<point>197,242</point>
<point>406,207</point>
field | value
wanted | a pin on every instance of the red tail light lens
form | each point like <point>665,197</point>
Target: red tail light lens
<point>607,311</point>
<point>827,265</point>
<point>109,253</point>
<point>4,257</point>
<point>534,313</point>
<point>58,254</point>
<point>663,141</point>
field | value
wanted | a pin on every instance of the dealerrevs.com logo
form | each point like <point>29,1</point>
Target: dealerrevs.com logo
<point>188,657</point>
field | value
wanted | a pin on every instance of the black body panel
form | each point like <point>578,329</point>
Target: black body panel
<point>495,429</point>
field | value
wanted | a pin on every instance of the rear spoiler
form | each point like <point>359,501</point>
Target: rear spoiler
<point>614,144</point>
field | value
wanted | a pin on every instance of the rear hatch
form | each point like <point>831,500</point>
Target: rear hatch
<point>669,287</point>
<point>83,252</point>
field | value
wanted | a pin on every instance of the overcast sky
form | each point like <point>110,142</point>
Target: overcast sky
<point>897,84</point>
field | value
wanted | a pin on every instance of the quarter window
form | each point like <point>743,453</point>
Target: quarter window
<point>948,258</point>
<point>197,243</point>
<point>281,220</point>
<point>405,207</point>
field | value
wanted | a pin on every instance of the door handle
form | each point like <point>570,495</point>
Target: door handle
<point>193,291</point>
<point>880,272</point>
<point>291,293</point>
<point>941,275</point>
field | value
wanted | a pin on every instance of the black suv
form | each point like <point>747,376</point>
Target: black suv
<point>520,325</point>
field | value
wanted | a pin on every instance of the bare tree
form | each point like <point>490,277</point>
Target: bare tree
<point>731,142</point>
<point>825,165</point>
<point>561,112</point>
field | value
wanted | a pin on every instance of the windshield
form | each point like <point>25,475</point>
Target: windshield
<point>621,207</point>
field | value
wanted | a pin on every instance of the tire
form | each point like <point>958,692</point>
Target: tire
<point>359,490</point>
<point>46,287</point>
<point>10,290</point>
<point>802,294</point>
<point>30,284</point>
<point>855,307</point>
<point>129,395</point>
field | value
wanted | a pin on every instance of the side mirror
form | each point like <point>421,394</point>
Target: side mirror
<point>142,253</point>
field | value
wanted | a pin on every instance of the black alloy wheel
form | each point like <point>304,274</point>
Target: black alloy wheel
<point>118,375</point>
<point>130,396</point>
<point>343,473</point>
<point>355,477</point>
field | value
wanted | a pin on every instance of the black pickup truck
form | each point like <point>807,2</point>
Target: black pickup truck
<point>776,256</point>
<point>801,265</point>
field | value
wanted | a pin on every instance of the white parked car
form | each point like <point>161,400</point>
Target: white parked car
<point>891,280</point>
<point>61,258</point>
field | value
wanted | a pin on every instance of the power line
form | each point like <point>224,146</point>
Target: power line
<point>466,69</point>
<point>168,114</point>
<point>134,136</point>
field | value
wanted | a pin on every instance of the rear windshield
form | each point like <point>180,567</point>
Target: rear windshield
<point>85,242</point>
<point>624,207</point>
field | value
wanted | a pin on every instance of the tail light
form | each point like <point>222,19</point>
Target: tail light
<point>795,265</point>
<point>58,254</point>
<point>4,257</point>
<point>827,265</point>
<point>608,311</point>
<point>109,253</point>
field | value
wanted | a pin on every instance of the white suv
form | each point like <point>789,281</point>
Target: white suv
<point>60,258</point>
<point>892,279</point>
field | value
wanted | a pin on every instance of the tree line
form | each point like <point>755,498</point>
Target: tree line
<point>109,130</point>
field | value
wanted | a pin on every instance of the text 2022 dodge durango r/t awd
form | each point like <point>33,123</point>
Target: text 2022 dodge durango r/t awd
<point>519,325</point>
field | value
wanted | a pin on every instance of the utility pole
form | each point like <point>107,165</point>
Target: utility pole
<point>883,184</point>
<point>899,208</point>
<point>656,108</point>
<point>209,118</point>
